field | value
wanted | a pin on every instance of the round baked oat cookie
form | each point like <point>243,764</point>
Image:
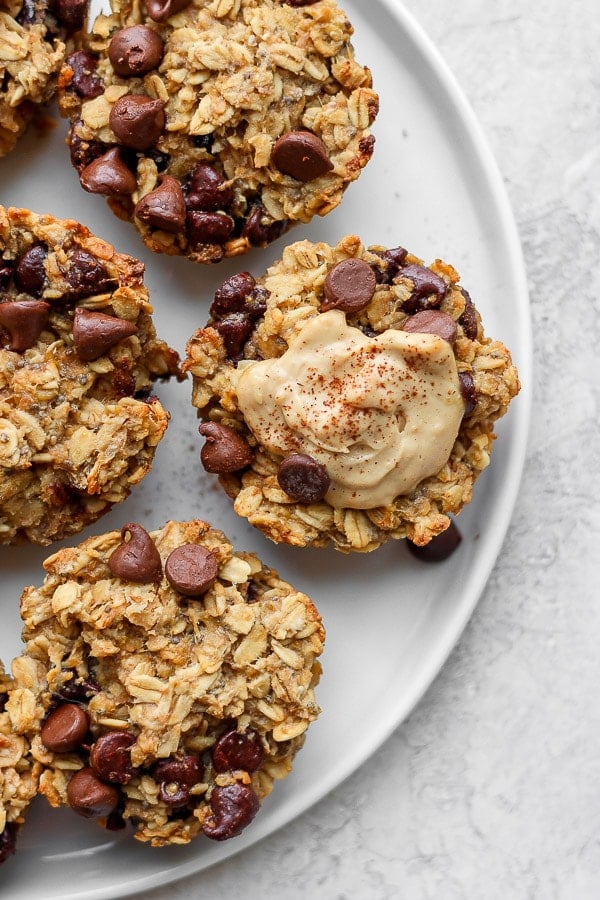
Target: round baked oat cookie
<point>35,36</point>
<point>175,680</point>
<point>19,773</point>
<point>217,125</point>
<point>349,395</point>
<point>78,356</point>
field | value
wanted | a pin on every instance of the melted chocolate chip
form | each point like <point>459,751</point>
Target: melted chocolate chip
<point>469,319</point>
<point>86,275</point>
<point>439,548</point>
<point>236,750</point>
<point>303,478</point>
<point>90,797</point>
<point>233,295</point>
<point>349,286</point>
<point>164,207</point>
<point>432,321</point>
<point>225,450</point>
<point>260,233</point>
<point>208,228</point>
<point>137,559</point>
<point>428,288</point>
<point>30,270</point>
<point>394,259</point>
<point>24,320</point>
<point>176,776</point>
<point>160,10</point>
<point>135,50</point>
<point>71,13</point>
<point>191,569</point>
<point>468,391</point>
<point>206,190</point>
<point>94,333</point>
<point>110,757</point>
<point>302,155</point>
<point>235,331</point>
<point>65,728</point>
<point>85,82</point>
<point>108,175</point>
<point>233,807</point>
<point>137,120</point>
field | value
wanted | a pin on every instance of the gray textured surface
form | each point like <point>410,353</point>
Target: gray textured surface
<point>491,789</point>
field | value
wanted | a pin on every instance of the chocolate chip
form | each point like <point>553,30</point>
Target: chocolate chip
<point>164,207</point>
<point>90,797</point>
<point>24,320</point>
<point>191,569</point>
<point>233,807</point>
<point>8,840</point>
<point>205,190</point>
<point>159,10</point>
<point>30,270</point>
<point>439,548</point>
<point>108,175</point>
<point>468,391</point>
<point>208,227</point>
<point>176,776</point>
<point>432,321</point>
<point>86,275</point>
<point>235,330</point>
<point>135,50</point>
<point>394,259</point>
<point>426,284</point>
<point>298,2</point>
<point>137,120</point>
<point>349,286</point>
<point>83,152</point>
<point>6,273</point>
<point>137,559</point>
<point>302,155</point>
<point>110,757</point>
<point>237,750</point>
<point>469,319</point>
<point>303,478</point>
<point>85,82</point>
<point>232,295</point>
<point>65,728</point>
<point>225,450</point>
<point>260,233</point>
<point>78,689</point>
<point>94,333</point>
<point>71,13</point>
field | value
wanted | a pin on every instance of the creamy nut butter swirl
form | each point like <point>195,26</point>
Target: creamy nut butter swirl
<point>380,413</point>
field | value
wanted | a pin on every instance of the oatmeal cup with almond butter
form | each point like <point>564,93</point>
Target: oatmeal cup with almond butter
<point>78,359</point>
<point>215,126</point>
<point>171,680</point>
<point>348,396</point>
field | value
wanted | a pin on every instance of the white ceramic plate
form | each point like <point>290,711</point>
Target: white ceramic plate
<point>433,187</point>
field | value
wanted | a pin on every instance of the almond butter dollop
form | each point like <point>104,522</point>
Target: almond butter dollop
<point>380,413</point>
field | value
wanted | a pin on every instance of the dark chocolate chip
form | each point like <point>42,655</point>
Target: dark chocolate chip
<point>468,391</point>
<point>86,275</point>
<point>8,841</point>
<point>176,776</point>
<point>302,155</point>
<point>208,227</point>
<point>261,233</point>
<point>428,288</point>
<point>94,333</point>
<point>303,478</point>
<point>440,547</point>
<point>164,207</point>
<point>191,569</point>
<point>135,50</point>
<point>349,286</point>
<point>233,807</point>
<point>83,152</point>
<point>77,689</point>
<point>89,796</point>
<point>394,259</point>
<point>298,2</point>
<point>237,750</point>
<point>24,320</point>
<point>65,728</point>
<point>137,559</point>
<point>110,757</point>
<point>235,330</point>
<point>233,294</point>
<point>432,321</point>
<point>225,450</point>
<point>469,319</point>
<point>137,120</point>
<point>71,13</point>
<point>6,273</point>
<point>85,81</point>
<point>205,190</point>
<point>159,10</point>
<point>30,270</point>
<point>108,175</point>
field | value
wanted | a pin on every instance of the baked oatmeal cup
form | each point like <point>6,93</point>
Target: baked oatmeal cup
<point>348,396</point>
<point>215,126</point>
<point>78,359</point>
<point>173,678</point>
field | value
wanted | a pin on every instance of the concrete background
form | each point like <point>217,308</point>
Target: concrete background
<point>491,789</point>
